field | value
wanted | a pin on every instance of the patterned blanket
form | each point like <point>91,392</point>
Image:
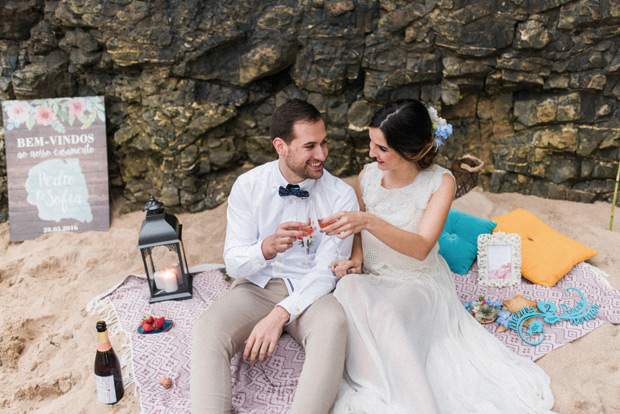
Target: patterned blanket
<point>269,387</point>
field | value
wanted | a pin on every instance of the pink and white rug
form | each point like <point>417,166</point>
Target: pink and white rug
<point>588,279</point>
<point>269,387</point>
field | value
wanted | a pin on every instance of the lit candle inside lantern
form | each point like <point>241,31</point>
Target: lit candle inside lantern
<point>167,280</point>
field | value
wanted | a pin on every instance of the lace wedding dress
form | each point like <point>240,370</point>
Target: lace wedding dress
<point>413,348</point>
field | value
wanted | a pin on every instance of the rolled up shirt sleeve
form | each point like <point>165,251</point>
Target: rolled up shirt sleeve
<point>318,282</point>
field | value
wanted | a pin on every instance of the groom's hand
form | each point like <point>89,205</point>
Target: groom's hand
<point>264,337</point>
<point>345,267</point>
<point>282,240</point>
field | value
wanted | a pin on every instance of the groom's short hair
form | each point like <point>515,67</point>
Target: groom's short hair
<point>287,114</point>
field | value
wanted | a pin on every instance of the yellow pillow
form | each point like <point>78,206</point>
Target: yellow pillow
<point>546,255</point>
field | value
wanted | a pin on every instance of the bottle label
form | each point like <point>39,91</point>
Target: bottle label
<point>105,389</point>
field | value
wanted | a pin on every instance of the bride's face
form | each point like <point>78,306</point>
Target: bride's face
<point>386,157</point>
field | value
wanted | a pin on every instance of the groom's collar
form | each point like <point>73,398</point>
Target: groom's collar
<point>307,184</point>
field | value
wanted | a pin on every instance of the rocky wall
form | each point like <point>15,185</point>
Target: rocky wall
<point>532,87</point>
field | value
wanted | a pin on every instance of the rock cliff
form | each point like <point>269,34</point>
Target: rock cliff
<point>531,86</point>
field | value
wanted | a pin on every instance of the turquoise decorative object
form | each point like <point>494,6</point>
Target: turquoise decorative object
<point>458,242</point>
<point>576,315</point>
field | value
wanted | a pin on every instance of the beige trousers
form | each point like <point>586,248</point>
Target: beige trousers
<point>221,331</point>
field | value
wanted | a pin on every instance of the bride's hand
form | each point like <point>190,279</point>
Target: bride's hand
<point>345,223</point>
<point>344,267</point>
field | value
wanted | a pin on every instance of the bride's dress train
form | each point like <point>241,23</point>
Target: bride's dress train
<point>413,348</point>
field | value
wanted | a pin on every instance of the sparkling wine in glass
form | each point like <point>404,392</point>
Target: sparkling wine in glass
<point>305,241</point>
<point>322,210</point>
<point>323,224</point>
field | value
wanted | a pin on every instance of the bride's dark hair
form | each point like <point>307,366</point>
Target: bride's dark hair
<point>408,130</point>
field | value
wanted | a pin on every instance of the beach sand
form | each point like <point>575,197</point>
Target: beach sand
<point>48,340</point>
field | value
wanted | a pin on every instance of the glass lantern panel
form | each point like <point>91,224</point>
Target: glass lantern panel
<point>168,274</point>
<point>182,258</point>
<point>165,256</point>
<point>148,260</point>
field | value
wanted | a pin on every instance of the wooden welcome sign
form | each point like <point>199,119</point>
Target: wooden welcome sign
<point>57,166</point>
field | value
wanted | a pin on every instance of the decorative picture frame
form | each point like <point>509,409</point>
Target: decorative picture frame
<point>499,259</point>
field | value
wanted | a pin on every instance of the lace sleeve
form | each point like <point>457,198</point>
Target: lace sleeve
<point>438,178</point>
<point>369,182</point>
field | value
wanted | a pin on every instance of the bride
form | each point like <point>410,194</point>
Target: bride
<point>413,348</point>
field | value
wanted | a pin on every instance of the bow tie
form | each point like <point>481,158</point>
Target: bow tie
<point>293,190</point>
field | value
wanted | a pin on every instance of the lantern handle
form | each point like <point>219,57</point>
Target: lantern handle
<point>153,205</point>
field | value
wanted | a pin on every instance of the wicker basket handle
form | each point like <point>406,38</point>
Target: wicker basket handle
<point>467,166</point>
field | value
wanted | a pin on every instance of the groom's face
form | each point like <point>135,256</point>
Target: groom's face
<point>304,156</point>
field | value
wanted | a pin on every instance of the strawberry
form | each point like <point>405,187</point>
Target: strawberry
<point>159,322</point>
<point>146,327</point>
<point>148,319</point>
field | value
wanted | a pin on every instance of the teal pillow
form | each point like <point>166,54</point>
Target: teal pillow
<point>458,243</point>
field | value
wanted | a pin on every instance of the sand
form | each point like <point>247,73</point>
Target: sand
<point>48,340</point>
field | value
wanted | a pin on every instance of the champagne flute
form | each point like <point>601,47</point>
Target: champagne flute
<point>322,224</point>
<point>305,241</point>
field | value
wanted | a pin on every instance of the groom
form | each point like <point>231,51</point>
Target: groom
<point>272,291</point>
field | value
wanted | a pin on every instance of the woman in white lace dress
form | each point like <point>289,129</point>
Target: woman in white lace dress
<point>413,348</point>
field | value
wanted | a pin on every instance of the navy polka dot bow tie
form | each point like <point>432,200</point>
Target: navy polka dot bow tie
<point>293,190</point>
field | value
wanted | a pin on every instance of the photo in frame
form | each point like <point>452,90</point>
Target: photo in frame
<point>499,259</point>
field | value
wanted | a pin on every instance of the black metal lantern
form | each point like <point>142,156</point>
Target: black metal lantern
<point>163,254</point>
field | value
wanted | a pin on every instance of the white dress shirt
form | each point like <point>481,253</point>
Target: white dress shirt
<point>255,209</point>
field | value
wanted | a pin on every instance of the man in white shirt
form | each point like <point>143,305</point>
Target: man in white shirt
<point>275,289</point>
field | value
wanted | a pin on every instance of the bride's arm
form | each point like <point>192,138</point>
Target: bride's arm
<point>416,245</point>
<point>354,263</point>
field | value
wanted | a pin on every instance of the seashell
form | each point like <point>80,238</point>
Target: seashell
<point>165,382</point>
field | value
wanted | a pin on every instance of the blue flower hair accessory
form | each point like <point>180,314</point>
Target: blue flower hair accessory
<point>441,128</point>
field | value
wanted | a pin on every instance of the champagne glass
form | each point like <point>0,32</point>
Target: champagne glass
<point>322,225</point>
<point>305,241</point>
<point>322,211</point>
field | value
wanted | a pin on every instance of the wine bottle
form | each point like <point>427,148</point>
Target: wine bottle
<point>108,375</point>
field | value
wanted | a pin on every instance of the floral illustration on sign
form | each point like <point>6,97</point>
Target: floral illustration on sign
<point>57,113</point>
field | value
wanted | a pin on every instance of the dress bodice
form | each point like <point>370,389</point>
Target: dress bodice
<point>402,207</point>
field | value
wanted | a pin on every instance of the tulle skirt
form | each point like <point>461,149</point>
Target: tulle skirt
<point>413,348</point>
